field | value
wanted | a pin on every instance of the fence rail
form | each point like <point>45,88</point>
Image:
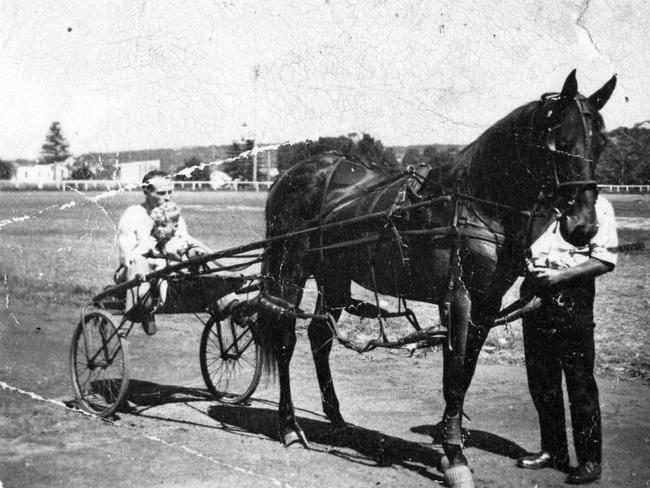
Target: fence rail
<point>624,188</point>
<point>105,185</point>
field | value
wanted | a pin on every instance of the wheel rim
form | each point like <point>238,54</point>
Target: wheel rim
<point>99,365</point>
<point>229,361</point>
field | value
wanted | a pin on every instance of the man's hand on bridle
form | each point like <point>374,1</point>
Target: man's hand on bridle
<point>545,277</point>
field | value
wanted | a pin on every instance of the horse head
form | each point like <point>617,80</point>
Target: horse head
<point>569,130</point>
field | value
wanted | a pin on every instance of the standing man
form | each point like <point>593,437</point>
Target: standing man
<point>559,338</point>
<point>136,244</point>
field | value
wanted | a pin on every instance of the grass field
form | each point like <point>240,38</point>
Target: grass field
<point>58,249</point>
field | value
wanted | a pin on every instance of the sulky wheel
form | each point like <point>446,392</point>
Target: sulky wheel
<point>231,361</point>
<point>99,364</point>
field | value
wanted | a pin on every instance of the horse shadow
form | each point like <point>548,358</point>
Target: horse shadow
<point>352,443</point>
<point>478,439</point>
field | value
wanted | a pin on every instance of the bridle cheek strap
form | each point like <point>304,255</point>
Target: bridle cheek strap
<point>582,185</point>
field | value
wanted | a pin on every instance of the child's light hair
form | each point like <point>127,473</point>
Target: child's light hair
<point>165,221</point>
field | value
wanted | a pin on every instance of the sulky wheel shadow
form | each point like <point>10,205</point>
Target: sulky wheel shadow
<point>352,443</point>
<point>142,395</point>
<point>148,394</point>
<point>476,438</point>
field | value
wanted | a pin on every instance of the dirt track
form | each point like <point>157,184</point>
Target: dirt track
<point>174,438</point>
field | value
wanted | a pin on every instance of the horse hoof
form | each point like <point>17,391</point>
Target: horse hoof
<point>291,437</point>
<point>459,476</point>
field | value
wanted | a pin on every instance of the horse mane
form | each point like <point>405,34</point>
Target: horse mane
<point>456,175</point>
<point>511,126</point>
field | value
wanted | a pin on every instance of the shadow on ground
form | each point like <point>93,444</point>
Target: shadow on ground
<point>478,439</point>
<point>148,394</point>
<point>353,443</point>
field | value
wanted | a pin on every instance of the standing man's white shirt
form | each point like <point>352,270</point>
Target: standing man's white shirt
<point>550,250</point>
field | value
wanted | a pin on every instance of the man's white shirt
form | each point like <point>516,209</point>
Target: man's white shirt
<point>550,250</point>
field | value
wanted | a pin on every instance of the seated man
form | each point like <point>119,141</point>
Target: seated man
<point>142,245</point>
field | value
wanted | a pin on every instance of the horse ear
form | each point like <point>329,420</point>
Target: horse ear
<point>570,88</point>
<point>600,97</point>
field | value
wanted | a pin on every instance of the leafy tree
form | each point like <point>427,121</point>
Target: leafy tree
<point>82,168</point>
<point>6,170</point>
<point>241,167</point>
<point>81,173</point>
<point>55,147</point>
<point>373,151</point>
<point>198,173</point>
<point>412,157</point>
<point>234,150</point>
<point>249,144</point>
<point>626,158</point>
<point>290,154</point>
<point>436,158</point>
<point>90,166</point>
<point>105,169</point>
<point>366,149</point>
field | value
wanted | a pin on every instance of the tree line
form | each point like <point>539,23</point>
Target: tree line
<point>625,159</point>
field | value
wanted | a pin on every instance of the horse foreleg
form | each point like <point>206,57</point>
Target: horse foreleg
<point>455,383</point>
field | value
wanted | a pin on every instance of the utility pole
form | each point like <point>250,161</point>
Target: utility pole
<point>256,75</point>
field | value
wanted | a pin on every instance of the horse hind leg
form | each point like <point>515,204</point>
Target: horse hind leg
<point>321,337</point>
<point>284,279</point>
<point>289,429</point>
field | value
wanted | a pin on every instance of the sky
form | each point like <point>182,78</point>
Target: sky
<point>126,75</point>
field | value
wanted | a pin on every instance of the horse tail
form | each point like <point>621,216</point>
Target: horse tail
<point>269,354</point>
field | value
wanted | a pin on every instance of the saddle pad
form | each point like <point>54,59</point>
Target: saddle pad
<point>355,189</point>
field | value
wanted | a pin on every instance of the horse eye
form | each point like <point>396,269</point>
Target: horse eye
<point>549,113</point>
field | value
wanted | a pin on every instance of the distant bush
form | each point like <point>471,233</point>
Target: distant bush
<point>366,148</point>
<point>6,170</point>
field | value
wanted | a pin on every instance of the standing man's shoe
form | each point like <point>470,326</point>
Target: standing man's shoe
<point>584,474</point>
<point>541,460</point>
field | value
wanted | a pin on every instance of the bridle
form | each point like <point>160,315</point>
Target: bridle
<point>546,200</point>
<point>586,117</point>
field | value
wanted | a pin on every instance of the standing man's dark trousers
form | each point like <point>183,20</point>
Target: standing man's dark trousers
<point>569,349</point>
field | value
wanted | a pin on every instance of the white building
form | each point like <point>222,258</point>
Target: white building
<point>132,173</point>
<point>41,173</point>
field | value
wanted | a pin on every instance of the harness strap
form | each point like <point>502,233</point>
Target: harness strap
<point>478,233</point>
<point>402,247</point>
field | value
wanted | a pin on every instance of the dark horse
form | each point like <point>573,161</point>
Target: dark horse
<point>461,253</point>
